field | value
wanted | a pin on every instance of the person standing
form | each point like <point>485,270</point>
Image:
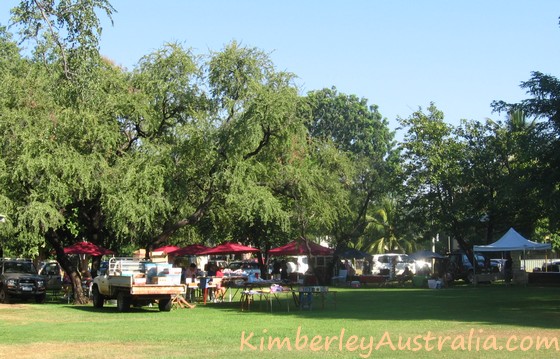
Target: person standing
<point>393,272</point>
<point>283,270</point>
<point>366,268</point>
<point>190,277</point>
<point>508,268</point>
<point>349,268</point>
<point>276,270</point>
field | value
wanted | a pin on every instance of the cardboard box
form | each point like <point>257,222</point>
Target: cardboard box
<point>175,271</point>
<point>174,279</point>
<point>140,280</point>
<point>161,280</point>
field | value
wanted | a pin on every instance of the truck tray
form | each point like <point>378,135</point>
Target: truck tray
<point>145,289</point>
<point>151,289</point>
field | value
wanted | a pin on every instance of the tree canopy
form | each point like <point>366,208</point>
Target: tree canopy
<point>189,148</point>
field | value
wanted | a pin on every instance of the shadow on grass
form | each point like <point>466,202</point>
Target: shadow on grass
<point>492,304</point>
<point>530,306</point>
<point>112,309</point>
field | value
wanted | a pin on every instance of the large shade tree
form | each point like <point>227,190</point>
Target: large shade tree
<point>475,181</point>
<point>117,157</point>
<point>56,144</point>
<point>360,135</point>
<point>435,186</point>
<point>231,155</point>
<point>539,140</point>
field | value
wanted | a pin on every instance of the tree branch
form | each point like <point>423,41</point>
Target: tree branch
<point>55,38</point>
<point>190,220</point>
<point>264,141</point>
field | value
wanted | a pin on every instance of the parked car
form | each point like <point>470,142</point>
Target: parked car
<point>219,263</point>
<point>243,268</point>
<point>51,268</point>
<point>382,263</point>
<point>53,274</point>
<point>19,279</point>
<point>461,268</point>
<point>498,265</point>
<point>551,266</point>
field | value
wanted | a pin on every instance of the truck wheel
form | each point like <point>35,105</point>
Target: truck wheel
<point>123,302</point>
<point>40,299</point>
<point>98,298</point>
<point>4,296</point>
<point>165,305</point>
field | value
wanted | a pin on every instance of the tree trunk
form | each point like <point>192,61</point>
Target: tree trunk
<point>70,270</point>
<point>466,248</point>
<point>79,295</point>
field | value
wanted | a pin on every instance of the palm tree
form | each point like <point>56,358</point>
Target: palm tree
<point>380,231</point>
<point>517,121</point>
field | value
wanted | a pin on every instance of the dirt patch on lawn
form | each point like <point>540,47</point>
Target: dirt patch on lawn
<point>13,306</point>
<point>80,350</point>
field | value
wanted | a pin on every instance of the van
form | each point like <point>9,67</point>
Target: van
<point>382,263</point>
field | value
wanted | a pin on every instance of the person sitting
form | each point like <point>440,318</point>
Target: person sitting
<point>87,282</point>
<point>66,286</point>
<point>191,273</point>
<point>220,290</point>
<point>406,275</point>
<point>182,302</point>
<point>212,269</point>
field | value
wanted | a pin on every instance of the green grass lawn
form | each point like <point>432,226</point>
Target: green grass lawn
<point>367,323</point>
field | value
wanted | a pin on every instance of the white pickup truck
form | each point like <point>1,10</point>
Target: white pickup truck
<point>130,283</point>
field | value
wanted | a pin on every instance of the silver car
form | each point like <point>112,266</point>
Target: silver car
<point>243,268</point>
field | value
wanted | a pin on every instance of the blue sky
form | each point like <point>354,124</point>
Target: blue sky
<point>398,54</point>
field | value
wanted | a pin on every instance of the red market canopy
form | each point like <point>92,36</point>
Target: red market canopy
<point>87,248</point>
<point>190,250</point>
<point>301,247</point>
<point>230,248</point>
<point>166,249</point>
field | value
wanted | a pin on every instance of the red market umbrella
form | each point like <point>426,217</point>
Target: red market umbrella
<point>230,248</point>
<point>190,250</point>
<point>166,249</point>
<point>301,247</point>
<point>87,248</point>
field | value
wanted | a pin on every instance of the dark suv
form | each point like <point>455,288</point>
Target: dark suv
<point>460,267</point>
<point>19,279</point>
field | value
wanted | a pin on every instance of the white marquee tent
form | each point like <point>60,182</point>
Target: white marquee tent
<point>513,241</point>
